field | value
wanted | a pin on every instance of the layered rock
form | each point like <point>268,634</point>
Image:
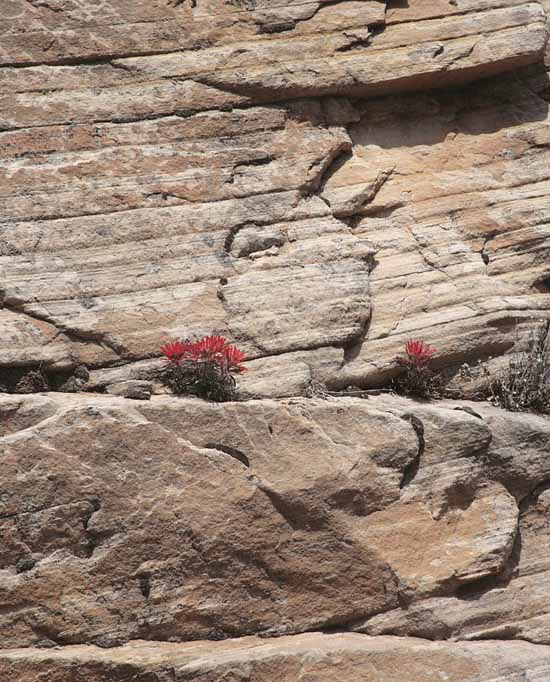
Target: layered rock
<point>175,169</point>
<point>318,181</point>
<point>312,656</point>
<point>181,520</point>
<point>511,604</point>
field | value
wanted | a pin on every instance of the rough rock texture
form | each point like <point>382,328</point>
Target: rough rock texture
<point>179,519</point>
<point>175,168</point>
<point>511,604</point>
<point>358,658</point>
<point>317,180</point>
<point>175,519</point>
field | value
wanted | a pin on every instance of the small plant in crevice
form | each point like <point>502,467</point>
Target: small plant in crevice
<point>417,378</point>
<point>205,368</point>
<point>525,384</point>
<point>34,381</point>
<point>43,380</point>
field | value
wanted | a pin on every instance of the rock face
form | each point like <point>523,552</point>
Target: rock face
<point>317,181</point>
<point>175,168</point>
<point>309,656</point>
<point>174,519</point>
<point>178,545</point>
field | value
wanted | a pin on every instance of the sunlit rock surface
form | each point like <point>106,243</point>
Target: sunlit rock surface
<point>318,182</point>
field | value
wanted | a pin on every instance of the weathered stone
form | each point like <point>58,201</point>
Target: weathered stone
<point>358,658</point>
<point>463,546</point>
<point>511,603</point>
<point>191,518</point>
<point>183,189</point>
<point>162,521</point>
<point>317,181</point>
<point>137,390</point>
<point>510,607</point>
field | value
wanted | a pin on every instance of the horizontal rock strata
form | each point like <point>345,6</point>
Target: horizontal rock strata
<point>171,169</point>
<point>312,656</point>
<point>318,181</point>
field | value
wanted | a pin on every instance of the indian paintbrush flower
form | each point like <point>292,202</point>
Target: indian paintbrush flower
<point>203,367</point>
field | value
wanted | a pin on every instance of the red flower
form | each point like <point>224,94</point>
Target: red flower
<point>232,358</point>
<point>418,353</point>
<point>208,348</point>
<point>175,351</point>
<point>211,349</point>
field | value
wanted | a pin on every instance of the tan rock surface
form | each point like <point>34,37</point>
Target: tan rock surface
<point>177,519</point>
<point>182,520</point>
<point>310,657</point>
<point>459,226</point>
<point>318,181</point>
<point>163,175</point>
<point>512,603</point>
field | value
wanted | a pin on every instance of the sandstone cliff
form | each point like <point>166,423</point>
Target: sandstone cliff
<point>318,181</point>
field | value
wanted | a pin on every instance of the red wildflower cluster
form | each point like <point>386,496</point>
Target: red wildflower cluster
<point>174,351</point>
<point>210,349</point>
<point>418,353</point>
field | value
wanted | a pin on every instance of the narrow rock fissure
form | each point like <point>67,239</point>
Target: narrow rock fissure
<point>412,469</point>
<point>231,451</point>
